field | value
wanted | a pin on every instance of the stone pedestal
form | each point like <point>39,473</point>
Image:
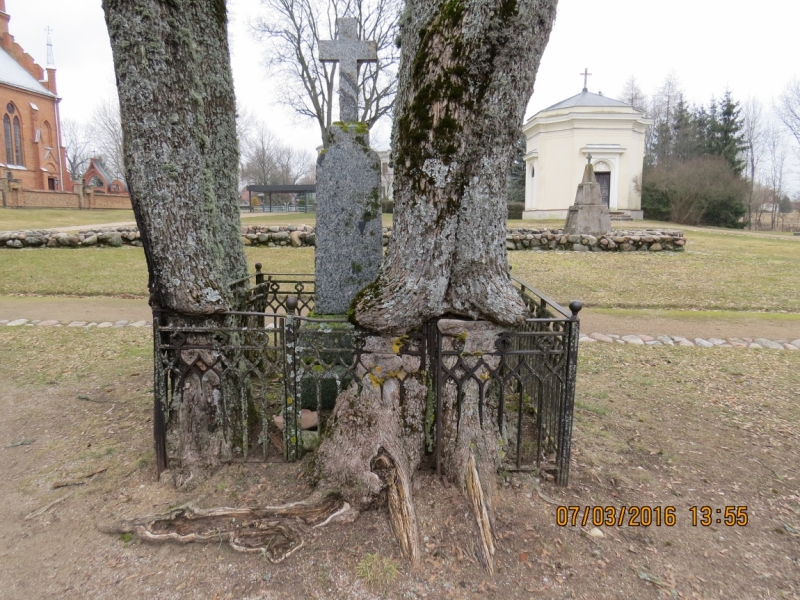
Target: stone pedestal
<point>588,216</point>
<point>349,249</point>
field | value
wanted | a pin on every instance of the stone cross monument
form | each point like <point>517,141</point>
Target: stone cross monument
<point>348,51</point>
<point>588,215</point>
<point>349,249</point>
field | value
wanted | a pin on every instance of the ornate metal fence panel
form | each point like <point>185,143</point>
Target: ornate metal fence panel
<point>287,368</point>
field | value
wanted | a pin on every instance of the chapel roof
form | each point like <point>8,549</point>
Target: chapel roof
<point>586,98</point>
<point>14,74</point>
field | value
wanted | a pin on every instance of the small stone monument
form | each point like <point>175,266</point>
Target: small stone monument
<point>349,249</point>
<point>588,215</point>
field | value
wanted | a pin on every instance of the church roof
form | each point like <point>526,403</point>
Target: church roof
<point>586,98</point>
<point>14,74</point>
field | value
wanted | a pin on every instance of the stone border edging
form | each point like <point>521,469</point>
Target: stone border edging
<point>296,236</point>
<point>677,340</point>
<point>634,340</point>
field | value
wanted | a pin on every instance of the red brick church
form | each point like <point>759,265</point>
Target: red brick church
<point>30,136</point>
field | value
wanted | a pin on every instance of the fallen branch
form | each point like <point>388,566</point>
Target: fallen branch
<point>44,509</point>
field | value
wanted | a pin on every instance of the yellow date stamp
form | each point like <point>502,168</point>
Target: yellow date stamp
<point>648,516</point>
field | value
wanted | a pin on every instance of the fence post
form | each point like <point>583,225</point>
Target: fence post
<point>291,405</point>
<point>159,391</point>
<point>568,399</point>
<point>259,274</point>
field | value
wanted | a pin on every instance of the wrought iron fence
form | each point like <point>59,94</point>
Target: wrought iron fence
<point>280,361</point>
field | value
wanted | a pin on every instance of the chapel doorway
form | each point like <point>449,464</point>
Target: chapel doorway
<point>604,179</point>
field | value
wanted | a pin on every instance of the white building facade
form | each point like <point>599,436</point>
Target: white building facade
<point>559,140</point>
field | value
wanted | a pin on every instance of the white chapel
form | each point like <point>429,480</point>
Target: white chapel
<point>559,140</point>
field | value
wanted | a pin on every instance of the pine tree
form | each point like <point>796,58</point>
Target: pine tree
<point>728,137</point>
<point>685,136</point>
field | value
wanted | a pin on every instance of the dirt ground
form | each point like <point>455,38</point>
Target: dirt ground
<point>655,427</point>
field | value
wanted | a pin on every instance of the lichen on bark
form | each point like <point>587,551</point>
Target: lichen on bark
<point>466,73</point>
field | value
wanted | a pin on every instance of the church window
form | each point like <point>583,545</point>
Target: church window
<point>48,135</point>
<point>533,172</point>
<point>18,142</point>
<point>9,142</point>
<point>10,108</point>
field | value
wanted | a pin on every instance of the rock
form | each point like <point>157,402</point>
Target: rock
<point>717,341</point>
<point>77,324</point>
<point>251,236</point>
<point>296,238</point>
<point>682,341</point>
<point>655,247</point>
<point>795,343</point>
<point>604,242</point>
<point>596,533</point>
<point>263,238</point>
<point>17,322</point>
<point>738,344</point>
<point>768,344</point>
<point>280,236</point>
<point>589,240</point>
<point>679,242</point>
<point>653,343</point>
<point>4,236</point>
<point>120,323</point>
<point>585,338</point>
<point>105,324</point>
<point>647,338</point>
<point>790,347</point>
<point>34,241</point>
<point>601,337</point>
<point>48,323</point>
<point>115,240</point>
<point>291,227</point>
<point>703,343</point>
<point>510,245</point>
<point>311,239</point>
<point>274,229</point>
<point>138,324</point>
<point>755,346</point>
<point>579,247</point>
<point>573,239</point>
<point>618,240</point>
<point>90,241</point>
<point>633,339</point>
<point>666,340</point>
<point>246,242</point>
<point>14,244</point>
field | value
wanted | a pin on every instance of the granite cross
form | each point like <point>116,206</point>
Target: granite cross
<point>349,51</point>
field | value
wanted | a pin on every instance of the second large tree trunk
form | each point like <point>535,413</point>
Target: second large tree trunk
<point>466,74</point>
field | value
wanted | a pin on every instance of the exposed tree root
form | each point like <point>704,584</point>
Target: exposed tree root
<point>401,507</point>
<point>480,509</point>
<point>276,532</point>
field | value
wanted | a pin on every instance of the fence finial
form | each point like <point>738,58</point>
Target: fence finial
<point>575,306</point>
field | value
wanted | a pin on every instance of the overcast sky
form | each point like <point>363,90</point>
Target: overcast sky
<point>748,47</point>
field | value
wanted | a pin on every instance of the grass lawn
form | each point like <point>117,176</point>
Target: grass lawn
<point>659,427</point>
<point>719,271</point>
<point>12,219</point>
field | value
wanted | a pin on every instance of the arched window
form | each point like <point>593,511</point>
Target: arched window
<point>48,135</point>
<point>18,142</point>
<point>9,142</point>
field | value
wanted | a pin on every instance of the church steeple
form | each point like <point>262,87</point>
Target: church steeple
<point>4,18</point>
<point>50,60</point>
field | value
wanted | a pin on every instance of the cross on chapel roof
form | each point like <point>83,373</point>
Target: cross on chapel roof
<point>585,75</point>
<point>349,52</point>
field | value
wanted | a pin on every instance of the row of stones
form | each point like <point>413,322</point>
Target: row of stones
<point>676,340</point>
<point>84,324</point>
<point>652,240</point>
<point>636,340</point>
<point>55,239</point>
<point>304,235</point>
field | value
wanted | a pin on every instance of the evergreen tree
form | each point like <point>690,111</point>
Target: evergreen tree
<point>685,139</point>
<point>727,140</point>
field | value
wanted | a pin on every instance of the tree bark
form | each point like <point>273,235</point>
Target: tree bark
<point>181,157</point>
<point>466,73</point>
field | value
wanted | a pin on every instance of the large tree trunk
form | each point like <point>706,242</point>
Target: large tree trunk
<point>466,73</point>
<point>181,156</point>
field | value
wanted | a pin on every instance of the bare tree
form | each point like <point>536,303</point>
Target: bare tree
<point>181,159</point>
<point>777,154</point>
<point>658,139</point>
<point>632,94</point>
<point>788,107</point>
<point>77,145</point>
<point>753,132</point>
<point>266,160</point>
<point>290,30</point>
<point>105,136</point>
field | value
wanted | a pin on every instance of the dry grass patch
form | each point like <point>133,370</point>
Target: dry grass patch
<point>12,219</point>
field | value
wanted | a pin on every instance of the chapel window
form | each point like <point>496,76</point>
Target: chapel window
<point>18,142</point>
<point>9,140</point>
